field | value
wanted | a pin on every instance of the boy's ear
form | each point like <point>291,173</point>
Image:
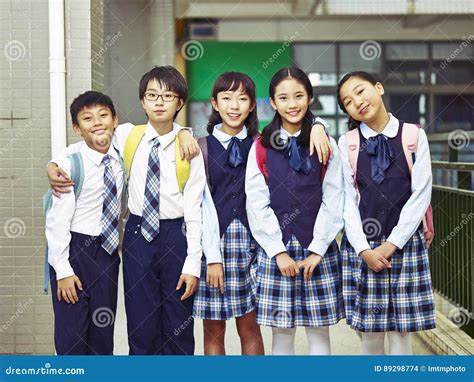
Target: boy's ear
<point>116,122</point>
<point>77,129</point>
<point>180,104</point>
<point>380,88</point>
<point>142,101</point>
<point>273,104</point>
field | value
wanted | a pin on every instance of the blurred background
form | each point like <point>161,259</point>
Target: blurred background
<point>422,51</point>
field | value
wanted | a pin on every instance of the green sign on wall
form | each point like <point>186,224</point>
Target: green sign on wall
<point>259,60</point>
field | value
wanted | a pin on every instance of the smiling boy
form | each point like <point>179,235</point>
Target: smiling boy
<point>82,235</point>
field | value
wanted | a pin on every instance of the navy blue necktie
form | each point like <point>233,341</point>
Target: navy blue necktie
<point>292,152</point>
<point>234,156</point>
<point>381,154</point>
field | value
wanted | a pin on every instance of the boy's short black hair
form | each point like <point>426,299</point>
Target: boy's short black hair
<point>88,99</point>
<point>168,77</point>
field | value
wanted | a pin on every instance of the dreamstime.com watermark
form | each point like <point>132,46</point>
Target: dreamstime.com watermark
<point>109,41</point>
<point>22,308</point>
<point>465,42</point>
<point>44,370</point>
<point>286,44</point>
<point>466,219</point>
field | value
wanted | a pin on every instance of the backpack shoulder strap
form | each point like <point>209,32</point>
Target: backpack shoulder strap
<point>410,134</point>
<point>131,145</point>
<point>183,168</point>
<point>202,142</point>
<point>261,154</point>
<point>77,176</point>
<point>77,172</point>
<point>353,143</point>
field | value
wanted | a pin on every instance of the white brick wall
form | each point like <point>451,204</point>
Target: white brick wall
<point>26,321</point>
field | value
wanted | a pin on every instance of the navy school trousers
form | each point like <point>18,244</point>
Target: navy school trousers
<point>87,327</point>
<point>158,322</point>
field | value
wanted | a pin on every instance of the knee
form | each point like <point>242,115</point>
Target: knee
<point>248,329</point>
<point>214,330</point>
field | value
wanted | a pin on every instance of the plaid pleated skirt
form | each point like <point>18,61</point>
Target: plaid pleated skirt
<point>239,251</point>
<point>286,302</point>
<point>396,299</point>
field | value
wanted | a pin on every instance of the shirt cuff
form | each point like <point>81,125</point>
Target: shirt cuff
<point>275,249</point>
<point>397,242</point>
<point>361,246</point>
<point>317,120</point>
<point>319,247</point>
<point>192,267</point>
<point>63,269</point>
<point>213,257</point>
<point>185,128</point>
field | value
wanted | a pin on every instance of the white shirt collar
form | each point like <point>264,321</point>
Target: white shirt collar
<point>284,134</point>
<point>166,139</point>
<point>390,130</point>
<point>96,157</point>
<point>224,137</point>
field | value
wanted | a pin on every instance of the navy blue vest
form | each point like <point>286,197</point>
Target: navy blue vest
<point>294,197</point>
<point>382,202</point>
<point>227,183</point>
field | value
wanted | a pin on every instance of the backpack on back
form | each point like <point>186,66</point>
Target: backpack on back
<point>410,134</point>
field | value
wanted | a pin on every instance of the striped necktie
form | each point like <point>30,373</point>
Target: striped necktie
<point>110,209</point>
<point>151,204</point>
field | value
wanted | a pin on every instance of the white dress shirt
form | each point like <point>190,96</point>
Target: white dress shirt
<point>211,230</point>
<point>263,221</point>
<point>173,204</point>
<point>82,215</point>
<point>414,209</point>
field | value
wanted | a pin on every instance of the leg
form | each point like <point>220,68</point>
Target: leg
<point>142,292</point>
<point>71,322</point>
<point>214,337</point>
<point>177,319</point>
<point>283,341</point>
<point>318,339</point>
<point>399,343</point>
<point>250,336</point>
<point>103,304</point>
<point>373,343</point>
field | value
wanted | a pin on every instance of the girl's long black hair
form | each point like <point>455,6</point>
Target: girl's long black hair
<point>231,81</point>
<point>269,133</point>
<point>352,123</point>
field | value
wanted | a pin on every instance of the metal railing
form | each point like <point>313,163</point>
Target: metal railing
<point>451,254</point>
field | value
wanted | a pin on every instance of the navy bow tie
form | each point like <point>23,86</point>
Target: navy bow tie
<point>381,156</point>
<point>292,152</point>
<point>234,150</point>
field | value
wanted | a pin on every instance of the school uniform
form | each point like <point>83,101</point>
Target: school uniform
<point>81,243</point>
<point>157,251</point>
<point>391,207</point>
<point>299,214</point>
<point>227,159</point>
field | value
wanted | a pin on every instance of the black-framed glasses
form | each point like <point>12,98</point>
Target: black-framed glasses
<point>166,97</point>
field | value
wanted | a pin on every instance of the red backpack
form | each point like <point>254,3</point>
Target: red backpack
<point>410,134</point>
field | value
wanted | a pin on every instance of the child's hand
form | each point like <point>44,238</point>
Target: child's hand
<point>386,249</point>
<point>215,276</point>
<point>287,265</point>
<point>309,265</point>
<point>59,180</point>
<point>375,260</point>
<point>320,141</point>
<point>429,236</point>
<point>191,285</point>
<point>188,146</point>
<point>67,289</point>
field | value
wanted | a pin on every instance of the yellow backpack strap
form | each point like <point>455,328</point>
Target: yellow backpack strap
<point>182,167</point>
<point>131,145</point>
